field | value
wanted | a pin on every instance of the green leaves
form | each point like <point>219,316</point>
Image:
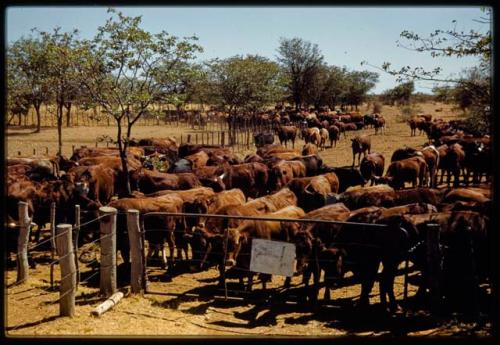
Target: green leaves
<point>247,83</point>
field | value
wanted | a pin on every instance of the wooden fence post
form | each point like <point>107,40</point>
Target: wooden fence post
<point>189,139</point>
<point>75,240</point>
<point>434,264</point>
<point>52,241</point>
<point>22,242</point>
<point>136,248</point>
<point>64,245</point>
<point>108,250</point>
<point>223,138</point>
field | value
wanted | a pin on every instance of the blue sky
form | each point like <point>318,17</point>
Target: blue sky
<point>345,35</point>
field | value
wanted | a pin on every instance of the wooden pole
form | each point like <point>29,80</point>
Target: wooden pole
<point>52,241</point>
<point>68,272</point>
<point>108,250</point>
<point>434,264</point>
<point>22,242</point>
<point>77,232</point>
<point>136,248</point>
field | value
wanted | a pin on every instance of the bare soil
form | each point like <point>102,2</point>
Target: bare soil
<point>191,304</point>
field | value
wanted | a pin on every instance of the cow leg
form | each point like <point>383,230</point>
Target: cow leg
<point>367,281</point>
<point>288,282</point>
<point>171,245</point>
<point>164,256</point>
<point>250,281</point>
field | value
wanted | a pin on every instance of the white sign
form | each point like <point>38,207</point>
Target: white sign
<point>272,257</point>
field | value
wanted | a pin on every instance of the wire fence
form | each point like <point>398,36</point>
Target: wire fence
<point>200,256</point>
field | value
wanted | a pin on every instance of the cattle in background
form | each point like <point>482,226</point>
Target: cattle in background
<point>324,136</point>
<point>431,156</point>
<point>413,126</point>
<point>313,163</point>
<point>371,166</point>
<point>379,124</point>
<point>287,133</point>
<point>264,138</point>
<point>334,134</point>
<point>360,145</point>
<point>309,149</point>
<point>452,163</point>
<point>312,135</point>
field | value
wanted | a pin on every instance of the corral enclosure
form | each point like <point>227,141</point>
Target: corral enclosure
<point>161,183</point>
<point>185,303</point>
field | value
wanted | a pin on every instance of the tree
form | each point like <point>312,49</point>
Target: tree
<point>246,83</point>
<point>400,94</point>
<point>27,67</point>
<point>60,50</point>
<point>125,69</point>
<point>302,61</point>
<point>455,43</point>
<point>358,85</point>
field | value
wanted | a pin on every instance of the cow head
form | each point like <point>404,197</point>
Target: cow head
<point>303,249</point>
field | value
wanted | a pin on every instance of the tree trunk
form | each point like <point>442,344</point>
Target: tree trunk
<point>38,118</point>
<point>59,115</point>
<point>122,147</point>
<point>68,114</point>
<point>20,119</point>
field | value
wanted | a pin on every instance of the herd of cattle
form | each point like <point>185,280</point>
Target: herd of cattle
<point>316,127</point>
<point>281,182</point>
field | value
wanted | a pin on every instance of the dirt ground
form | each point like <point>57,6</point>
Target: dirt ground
<point>185,303</point>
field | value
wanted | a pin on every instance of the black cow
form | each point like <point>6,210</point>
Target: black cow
<point>348,176</point>
<point>264,138</point>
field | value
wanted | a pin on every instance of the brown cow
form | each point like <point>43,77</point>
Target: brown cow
<point>287,133</point>
<point>159,228</point>
<point>334,134</point>
<point>309,149</point>
<point>282,172</point>
<point>323,132</point>
<point>98,181</point>
<point>360,144</point>
<point>199,159</point>
<point>379,123</point>
<point>371,166</point>
<point>151,181</point>
<point>431,156</point>
<point>452,163</point>
<point>251,178</point>
<point>406,170</point>
<point>269,230</point>
<point>312,191</point>
<point>358,197</point>
<point>112,162</point>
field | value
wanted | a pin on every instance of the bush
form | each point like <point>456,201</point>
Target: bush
<point>408,111</point>
<point>377,107</point>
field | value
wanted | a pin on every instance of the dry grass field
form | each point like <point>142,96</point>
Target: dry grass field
<point>397,134</point>
<point>189,303</point>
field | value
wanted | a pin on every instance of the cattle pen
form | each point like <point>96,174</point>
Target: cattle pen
<point>64,242</point>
